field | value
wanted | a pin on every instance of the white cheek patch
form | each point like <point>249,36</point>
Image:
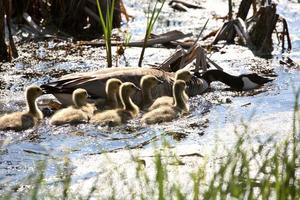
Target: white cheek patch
<point>248,84</point>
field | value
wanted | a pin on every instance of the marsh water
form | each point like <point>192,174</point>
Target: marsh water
<point>215,116</point>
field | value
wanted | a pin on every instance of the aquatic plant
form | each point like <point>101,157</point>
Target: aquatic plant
<point>150,23</point>
<point>107,26</point>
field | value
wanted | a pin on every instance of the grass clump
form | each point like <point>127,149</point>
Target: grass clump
<point>152,16</point>
<point>106,22</point>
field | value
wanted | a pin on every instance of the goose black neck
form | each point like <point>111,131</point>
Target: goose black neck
<point>218,75</point>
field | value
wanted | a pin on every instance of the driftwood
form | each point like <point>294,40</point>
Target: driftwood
<point>3,47</point>
<point>182,58</point>
<point>164,38</point>
<point>256,32</point>
<point>261,32</point>
<point>183,5</point>
<point>186,4</point>
<point>10,51</point>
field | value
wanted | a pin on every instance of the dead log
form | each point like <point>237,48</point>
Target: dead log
<point>186,4</point>
<point>244,9</point>
<point>3,48</point>
<point>12,47</point>
<point>261,32</point>
<point>164,38</point>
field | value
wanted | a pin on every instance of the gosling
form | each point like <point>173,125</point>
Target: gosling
<point>80,112</point>
<point>181,74</point>
<point>168,113</point>
<point>147,83</point>
<point>112,100</point>
<point>119,116</point>
<point>19,121</point>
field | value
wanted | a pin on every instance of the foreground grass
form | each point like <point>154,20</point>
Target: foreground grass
<point>267,171</point>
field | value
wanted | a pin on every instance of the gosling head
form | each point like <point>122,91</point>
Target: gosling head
<point>128,89</point>
<point>183,74</point>
<point>79,97</point>
<point>149,81</point>
<point>113,85</point>
<point>33,92</point>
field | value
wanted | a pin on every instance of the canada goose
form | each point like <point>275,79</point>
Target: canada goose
<point>167,113</point>
<point>112,95</point>
<point>121,115</point>
<point>147,83</point>
<point>181,74</point>
<point>78,113</point>
<point>24,120</point>
<point>94,83</point>
<point>241,82</point>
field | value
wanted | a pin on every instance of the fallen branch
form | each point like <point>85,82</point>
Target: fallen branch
<point>159,39</point>
<point>186,4</point>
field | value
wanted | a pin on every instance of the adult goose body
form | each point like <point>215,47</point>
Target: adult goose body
<point>94,83</point>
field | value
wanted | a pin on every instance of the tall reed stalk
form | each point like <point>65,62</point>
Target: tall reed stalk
<point>107,26</point>
<point>150,23</point>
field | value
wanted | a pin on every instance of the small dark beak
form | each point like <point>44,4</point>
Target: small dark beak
<point>160,81</point>
<point>44,92</point>
<point>137,88</point>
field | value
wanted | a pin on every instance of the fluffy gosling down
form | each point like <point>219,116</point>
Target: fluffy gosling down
<point>80,112</point>
<point>112,99</point>
<point>167,113</point>
<point>27,119</point>
<point>118,116</point>
<point>147,83</point>
<point>181,74</point>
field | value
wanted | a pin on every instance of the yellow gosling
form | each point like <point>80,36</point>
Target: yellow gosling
<point>121,115</point>
<point>112,99</point>
<point>147,83</point>
<point>27,119</point>
<point>181,74</point>
<point>168,113</point>
<point>80,112</point>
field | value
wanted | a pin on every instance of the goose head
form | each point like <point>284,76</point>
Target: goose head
<point>79,97</point>
<point>113,85</point>
<point>255,78</point>
<point>252,81</point>
<point>33,92</point>
<point>184,75</point>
